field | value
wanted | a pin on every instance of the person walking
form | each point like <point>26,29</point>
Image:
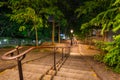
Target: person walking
<point>75,40</point>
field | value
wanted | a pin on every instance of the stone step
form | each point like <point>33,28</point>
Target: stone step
<point>76,71</point>
<point>12,74</point>
<point>47,77</point>
<point>75,59</point>
<point>44,64</point>
<point>36,68</point>
<point>77,67</point>
<point>78,76</point>
<point>47,61</point>
<point>63,78</point>
<point>77,64</point>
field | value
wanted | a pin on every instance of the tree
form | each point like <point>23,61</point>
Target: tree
<point>108,19</point>
<point>62,10</point>
<point>88,11</point>
<point>26,13</point>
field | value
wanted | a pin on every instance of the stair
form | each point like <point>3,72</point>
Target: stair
<point>76,71</point>
<point>36,68</point>
<point>75,68</point>
<point>63,78</point>
<point>12,74</point>
<point>32,70</point>
<point>46,61</point>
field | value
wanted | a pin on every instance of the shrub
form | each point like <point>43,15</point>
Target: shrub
<point>112,58</point>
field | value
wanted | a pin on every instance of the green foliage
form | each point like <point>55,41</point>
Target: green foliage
<point>53,10</point>
<point>102,13</point>
<point>99,57</point>
<point>116,28</point>
<point>87,13</point>
<point>25,15</point>
<point>85,25</point>
<point>2,3</point>
<point>22,28</point>
<point>106,19</point>
<point>101,45</point>
<point>9,46</point>
<point>117,2</point>
<point>63,22</point>
<point>112,58</point>
<point>111,55</point>
<point>87,7</point>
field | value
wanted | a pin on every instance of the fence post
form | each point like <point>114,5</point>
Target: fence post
<point>54,59</point>
<point>19,66</point>
<point>20,70</point>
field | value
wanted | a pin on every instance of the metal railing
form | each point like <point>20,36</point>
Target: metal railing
<point>12,42</point>
<point>54,52</point>
<point>20,56</point>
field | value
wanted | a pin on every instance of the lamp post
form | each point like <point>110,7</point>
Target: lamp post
<point>51,19</point>
<point>71,31</point>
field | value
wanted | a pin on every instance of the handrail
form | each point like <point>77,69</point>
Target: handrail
<point>6,57</point>
<point>18,57</point>
<point>21,56</point>
<point>54,51</point>
<point>53,47</point>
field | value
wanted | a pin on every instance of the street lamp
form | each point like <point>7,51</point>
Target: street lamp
<point>71,31</point>
<point>51,19</point>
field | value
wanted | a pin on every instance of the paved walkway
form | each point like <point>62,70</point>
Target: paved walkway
<point>98,70</point>
<point>83,50</point>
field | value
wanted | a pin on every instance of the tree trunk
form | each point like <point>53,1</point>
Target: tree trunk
<point>36,34</point>
<point>53,32</point>
<point>58,34</point>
